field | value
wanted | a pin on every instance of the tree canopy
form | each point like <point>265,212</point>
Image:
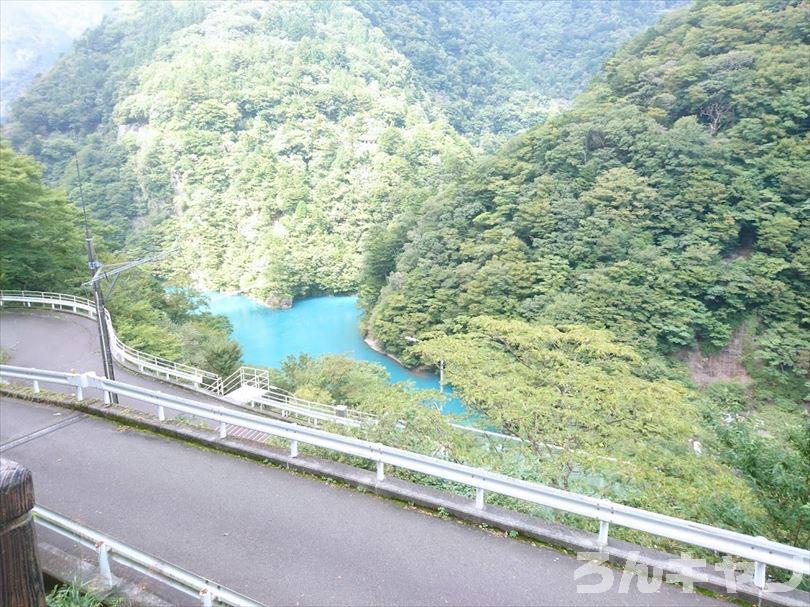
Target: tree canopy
<point>667,205</point>
<point>42,244</point>
<point>272,140</point>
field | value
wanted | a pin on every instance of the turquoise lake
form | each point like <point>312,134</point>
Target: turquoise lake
<point>314,326</point>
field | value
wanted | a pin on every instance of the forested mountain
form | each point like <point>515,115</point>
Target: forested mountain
<point>34,34</point>
<point>664,212</point>
<point>669,204</point>
<point>70,108</point>
<point>494,66</point>
<point>270,138</point>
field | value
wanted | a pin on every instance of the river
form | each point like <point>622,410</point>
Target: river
<point>314,326</point>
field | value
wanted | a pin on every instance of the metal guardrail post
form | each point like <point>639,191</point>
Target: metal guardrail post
<point>604,528</point>
<point>223,430</point>
<point>161,413</point>
<point>759,574</point>
<point>479,498</point>
<point>103,552</point>
<point>293,448</point>
<point>206,597</point>
<point>380,471</point>
<point>36,386</point>
<point>81,382</point>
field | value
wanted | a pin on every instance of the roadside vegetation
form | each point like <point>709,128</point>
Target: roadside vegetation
<point>74,595</point>
<point>43,249</point>
<point>563,279</point>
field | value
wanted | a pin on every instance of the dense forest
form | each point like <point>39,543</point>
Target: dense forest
<point>669,204</point>
<point>493,67</point>
<point>566,260</point>
<point>43,246</point>
<point>667,209</point>
<point>271,139</point>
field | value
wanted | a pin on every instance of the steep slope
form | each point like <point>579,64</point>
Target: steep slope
<point>33,35</point>
<point>496,67</point>
<point>270,139</point>
<point>69,110</point>
<point>273,135</point>
<point>669,204</point>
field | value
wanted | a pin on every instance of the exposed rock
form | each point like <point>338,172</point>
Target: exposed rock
<point>279,302</point>
<point>722,366</point>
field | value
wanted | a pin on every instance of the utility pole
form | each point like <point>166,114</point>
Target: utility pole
<point>98,296</point>
<point>440,362</point>
<point>441,375</point>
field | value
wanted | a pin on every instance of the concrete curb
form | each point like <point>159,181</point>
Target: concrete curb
<point>618,552</point>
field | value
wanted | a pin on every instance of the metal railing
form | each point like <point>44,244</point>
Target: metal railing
<point>192,377</point>
<point>147,364</point>
<point>275,398</point>
<point>246,376</point>
<point>107,549</point>
<point>289,405</point>
<point>761,551</point>
<point>57,301</point>
<point>339,414</point>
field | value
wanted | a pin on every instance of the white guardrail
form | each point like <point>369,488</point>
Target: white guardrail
<point>191,377</point>
<point>757,549</point>
<point>145,363</point>
<point>106,548</point>
<point>273,397</point>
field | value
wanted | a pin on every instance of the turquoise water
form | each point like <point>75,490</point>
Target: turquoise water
<point>319,325</point>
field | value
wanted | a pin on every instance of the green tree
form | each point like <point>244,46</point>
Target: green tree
<point>41,245</point>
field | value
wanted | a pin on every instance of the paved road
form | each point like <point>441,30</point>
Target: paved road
<point>278,537</point>
<point>60,341</point>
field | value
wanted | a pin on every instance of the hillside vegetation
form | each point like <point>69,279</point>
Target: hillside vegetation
<point>665,209</point>
<point>669,204</point>
<point>493,67</point>
<point>270,139</point>
<point>43,249</point>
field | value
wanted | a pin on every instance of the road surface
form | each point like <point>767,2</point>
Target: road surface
<point>59,341</point>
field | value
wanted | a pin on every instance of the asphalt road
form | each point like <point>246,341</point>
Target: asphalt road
<point>59,341</point>
<point>281,538</point>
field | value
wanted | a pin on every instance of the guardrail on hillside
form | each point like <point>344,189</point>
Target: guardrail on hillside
<point>187,376</point>
<point>147,364</point>
<point>340,414</point>
<point>106,548</point>
<point>759,550</point>
<point>191,377</point>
